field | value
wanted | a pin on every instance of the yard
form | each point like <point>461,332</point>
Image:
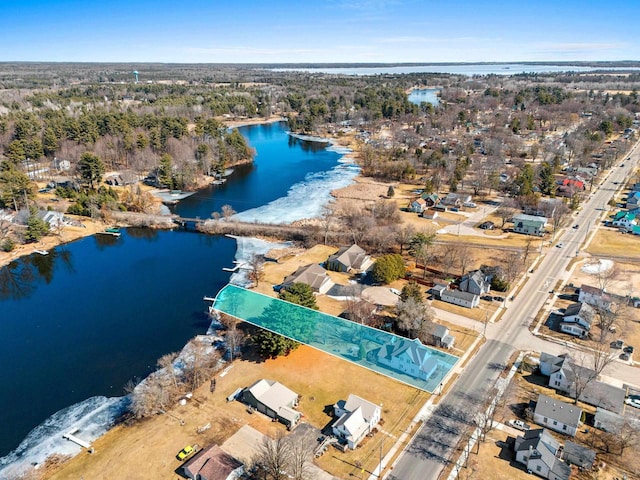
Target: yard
<point>147,449</point>
<point>611,242</point>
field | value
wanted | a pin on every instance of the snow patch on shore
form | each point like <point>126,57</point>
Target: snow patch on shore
<point>305,199</point>
<point>92,417</point>
<point>597,267</point>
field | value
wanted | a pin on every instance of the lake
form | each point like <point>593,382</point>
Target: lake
<point>93,314</point>
<point>428,95</point>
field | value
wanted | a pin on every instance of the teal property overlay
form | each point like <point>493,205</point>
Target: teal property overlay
<point>404,360</point>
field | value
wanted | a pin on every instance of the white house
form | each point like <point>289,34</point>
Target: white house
<point>594,296</point>
<point>408,356</point>
<point>577,319</point>
<point>539,452</point>
<point>476,282</point>
<point>457,297</point>
<point>356,418</point>
<point>557,415</point>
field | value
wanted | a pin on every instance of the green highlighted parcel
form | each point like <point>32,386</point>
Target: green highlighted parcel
<point>407,361</point>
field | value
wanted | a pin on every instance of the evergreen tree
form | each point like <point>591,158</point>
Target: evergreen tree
<point>546,182</point>
<point>36,226</point>
<point>388,268</point>
<point>91,169</point>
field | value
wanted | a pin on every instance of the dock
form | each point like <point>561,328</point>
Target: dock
<point>238,265</point>
<point>41,252</point>
<point>71,437</point>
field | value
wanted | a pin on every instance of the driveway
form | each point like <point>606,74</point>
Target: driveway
<point>380,296</point>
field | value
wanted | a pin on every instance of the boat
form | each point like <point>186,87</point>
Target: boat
<point>114,231</point>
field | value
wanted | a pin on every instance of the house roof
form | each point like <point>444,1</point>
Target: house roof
<point>469,297</point>
<point>555,362</point>
<point>607,420</point>
<point>579,455</point>
<point>273,394</point>
<point>477,276</point>
<point>439,331</point>
<point>594,291</point>
<point>524,218</point>
<point>557,410</point>
<point>584,311</point>
<point>543,444</point>
<point>367,408</point>
<point>417,353</point>
<point>600,394</point>
<point>351,257</point>
<point>313,275</point>
<point>353,423</point>
<point>211,463</point>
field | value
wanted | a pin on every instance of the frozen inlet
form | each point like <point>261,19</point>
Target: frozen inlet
<point>71,437</point>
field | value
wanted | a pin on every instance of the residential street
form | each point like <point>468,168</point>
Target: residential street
<point>433,445</point>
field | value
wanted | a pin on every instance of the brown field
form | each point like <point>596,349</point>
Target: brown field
<point>608,241</point>
<point>147,449</point>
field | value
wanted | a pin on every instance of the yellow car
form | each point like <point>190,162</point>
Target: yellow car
<point>186,452</point>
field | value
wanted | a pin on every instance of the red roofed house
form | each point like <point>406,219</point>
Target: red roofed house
<point>212,463</point>
<point>572,182</point>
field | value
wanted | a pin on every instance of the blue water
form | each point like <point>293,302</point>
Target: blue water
<point>91,315</point>
<point>95,313</point>
<point>281,162</point>
<point>429,95</point>
<point>459,69</point>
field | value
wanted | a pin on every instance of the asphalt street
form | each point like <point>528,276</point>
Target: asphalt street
<point>432,447</point>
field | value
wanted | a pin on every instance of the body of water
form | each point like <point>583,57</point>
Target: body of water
<point>458,69</point>
<point>77,324</point>
<point>428,95</point>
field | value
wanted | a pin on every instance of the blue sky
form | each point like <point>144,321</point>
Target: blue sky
<point>294,31</point>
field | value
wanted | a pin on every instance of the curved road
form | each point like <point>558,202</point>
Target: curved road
<point>432,447</point>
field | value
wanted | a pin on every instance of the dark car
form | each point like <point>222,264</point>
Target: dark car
<point>498,299</point>
<point>488,298</point>
<point>576,226</point>
<point>628,349</point>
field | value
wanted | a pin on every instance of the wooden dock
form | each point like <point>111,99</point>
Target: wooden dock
<point>71,437</point>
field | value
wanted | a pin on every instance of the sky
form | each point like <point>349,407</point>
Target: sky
<point>329,31</point>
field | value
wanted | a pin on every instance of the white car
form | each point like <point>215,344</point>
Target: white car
<point>519,424</point>
<point>395,291</point>
<point>633,401</point>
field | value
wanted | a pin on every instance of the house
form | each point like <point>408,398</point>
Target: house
<point>441,337</point>
<point>476,282</point>
<point>274,400</point>
<point>529,224</point>
<point>625,220</point>
<point>437,290</point>
<point>429,214</point>
<point>61,165</point>
<point>633,200</point>
<point>408,356</point>
<point>54,219</point>
<point>578,455</point>
<point>595,297</point>
<point>577,319</point>
<point>456,199</point>
<point>573,182</point>
<point>417,206</point>
<point>356,418</point>
<point>457,297</point>
<point>557,415</point>
<point>348,259</point>
<point>545,207</point>
<point>124,178</point>
<point>608,421</point>
<point>539,452</point>
<point>431,199</point>
<point>212,463</point>
<point>550,364</point>
<point>313,275</point>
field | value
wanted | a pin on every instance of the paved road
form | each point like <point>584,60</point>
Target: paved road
<point>432,447</point>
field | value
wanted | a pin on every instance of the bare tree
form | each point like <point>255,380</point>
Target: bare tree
<point>274,456</point>
<point>465,258</point>
<point>558,216</point>
<point>448,256</point>
<point>256,269</point>
<point>227,212</point>
<point>327,220</point>
<point>300,459</point>
<point>404,234</point>
<point>358,309</point>
<point>415,318</point>
<point>505,212</point>
<point>200,363</point>
<point>234,339</point>
<point>166,363</point>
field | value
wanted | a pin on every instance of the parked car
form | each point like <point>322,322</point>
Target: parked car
<point>469,205</point>
<point>628,349</point>
<point>498,299</point>
<point>625,356</point>
<point>186,452</point>
<point>395,291</point>
<point>519,424</point>
<point>488,298</point>
<point>576,226</point>
<point>559,245</point>
<point>633,400</point>
<point>617,344</point>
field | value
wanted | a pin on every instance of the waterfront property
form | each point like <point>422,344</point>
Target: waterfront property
<point>274,400</point>
<point>348,340</point>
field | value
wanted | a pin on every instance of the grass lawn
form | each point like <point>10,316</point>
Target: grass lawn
<point>611,242</point>
<point>147,449</point>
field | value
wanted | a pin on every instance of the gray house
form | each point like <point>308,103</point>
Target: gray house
<point>313,275</point>
<point>529,224</point>
<point>274,400</point>
<point>476,282</point>
<point>575,454</point>
<point>348,259</point>
<point>539,452</point>
<point>557,415</point>
<point>441,337</point>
